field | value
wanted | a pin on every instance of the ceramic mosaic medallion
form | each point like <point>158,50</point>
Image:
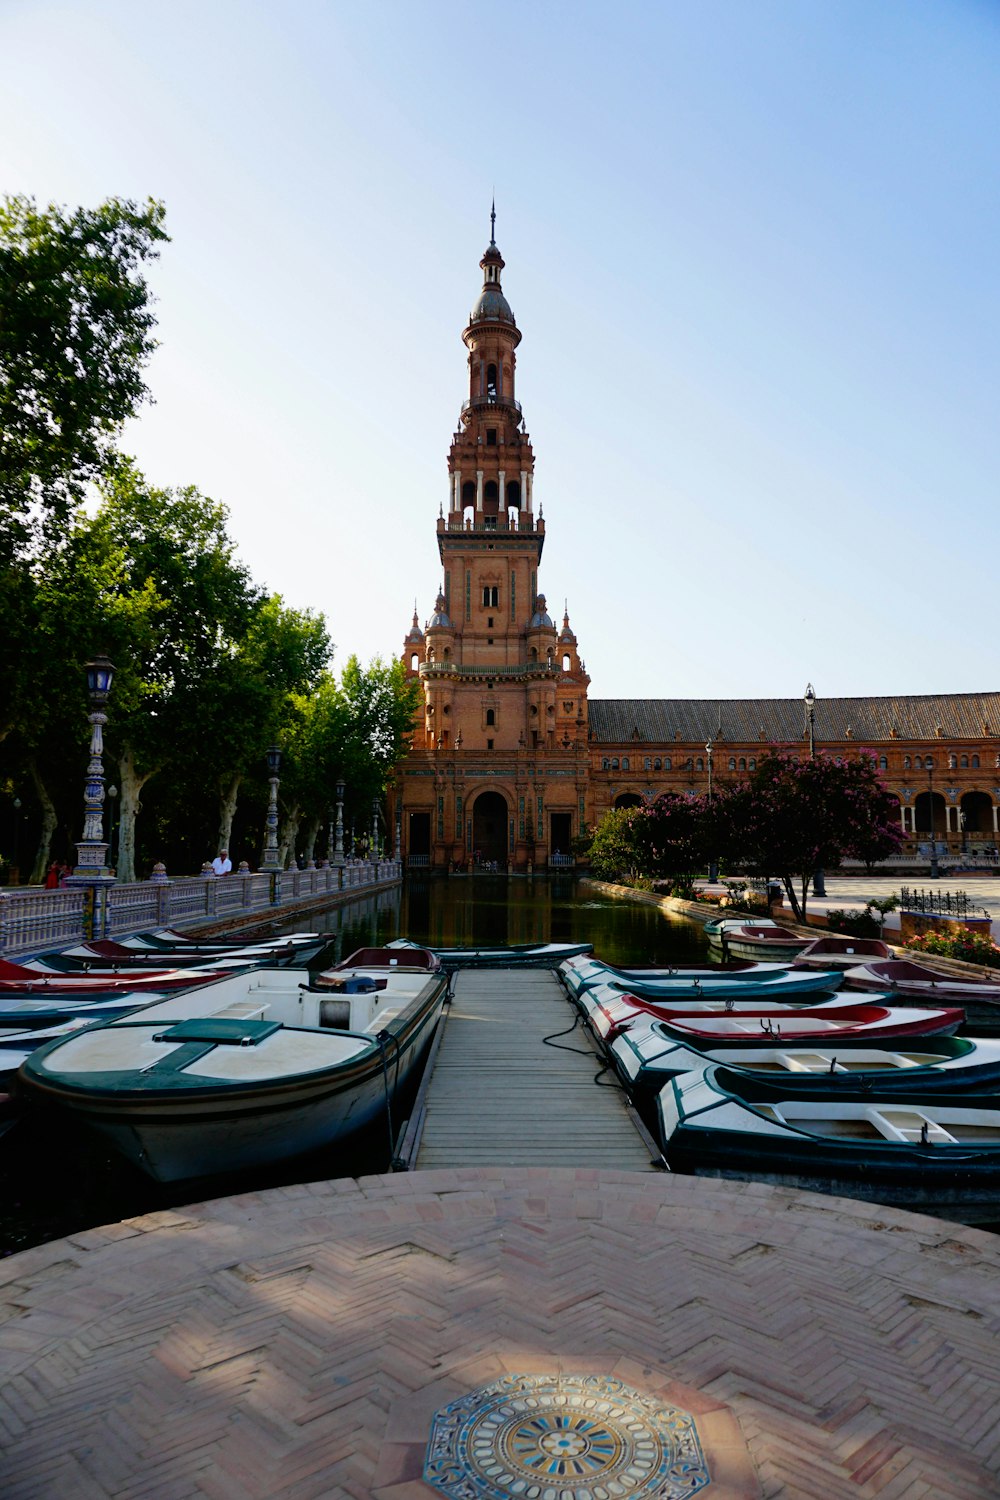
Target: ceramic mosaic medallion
<point>563,1437</point>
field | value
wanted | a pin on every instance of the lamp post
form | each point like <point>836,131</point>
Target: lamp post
<point>375,828</point>
<point>113,796</point>
<point>338,853</point>
<point>398,852</point>
<point>91,848</point>
<point>819,879</point>
<point>713,863</point>
<point>930,817</point>
<point>271,860</point>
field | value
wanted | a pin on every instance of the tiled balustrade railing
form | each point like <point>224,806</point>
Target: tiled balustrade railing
<point>33,920</point>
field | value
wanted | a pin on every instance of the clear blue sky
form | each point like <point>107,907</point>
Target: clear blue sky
<point>752,249</point>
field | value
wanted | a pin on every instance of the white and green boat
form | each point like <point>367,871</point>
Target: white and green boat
<point>249,1070</point>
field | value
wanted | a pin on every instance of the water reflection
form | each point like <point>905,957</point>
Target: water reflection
<point>490,910</point>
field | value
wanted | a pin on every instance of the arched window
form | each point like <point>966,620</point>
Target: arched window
<point>491,717</point>
<point>701,764</point>
<point>918,764</point>
<point>490,494</point>
<point>964,762</point>
<point>446,653</point>
<point>928,762</point>
<point>625,764</point>
<point>732,762</point>
<point>975,762</point>
<point>883,763</point>
<point>491,382</point>
<point>647,764</point>
<point>491,596</point>
<point>614,763</point>
<point>414,662</point>
<point>667,763</point>
<point>468,493</point>
<point>657,763</point>
<point>953,763</point>
<point>566,663</point>
<point>906,762</point>
<point>743,764</point>
<point>752,763</point>
<point>605,764</point>
<point>514,495</point>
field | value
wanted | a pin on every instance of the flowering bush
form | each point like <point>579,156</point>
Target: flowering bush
<point>972,947</point>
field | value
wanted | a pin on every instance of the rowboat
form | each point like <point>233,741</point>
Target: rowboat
<point>21,979</point>
<point>760,940</point>
<point>609,1011</point>
<point>767,981</point>
<point>838,951</point>
<point>249,1070</point>
<point>579,973</point>
<point>169,939</point>
<point>647,1054</point>
<point>901,976</point>
<point>106,954</point>
<point>937,1155</point>
<point>516,956</point>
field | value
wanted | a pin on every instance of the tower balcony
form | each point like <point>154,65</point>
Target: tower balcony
<point>535,669</point>
<point>490,403</point>
<point>522,522</point>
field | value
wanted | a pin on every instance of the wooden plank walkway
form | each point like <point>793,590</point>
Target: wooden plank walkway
<point>499,1096</point>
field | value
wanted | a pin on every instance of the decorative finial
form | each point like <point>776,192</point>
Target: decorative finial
<point>493,220</point>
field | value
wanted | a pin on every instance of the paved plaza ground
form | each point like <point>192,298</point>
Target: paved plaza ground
<point>852,891</point>
<point>297,1343</point>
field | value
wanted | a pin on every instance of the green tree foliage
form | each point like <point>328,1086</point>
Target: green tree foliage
<point>76,329</point>
<point>613,852</point>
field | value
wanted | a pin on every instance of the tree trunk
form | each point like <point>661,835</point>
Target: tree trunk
<point>312,830</point>
<point>793,899</point>
<point>131,785</point>
<point>49,824</point>
<point>288,835</point>
<point>228,797</point>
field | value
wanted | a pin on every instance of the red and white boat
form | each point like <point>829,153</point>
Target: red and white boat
<point>25,979</point>
<point>838,951</point>
<point>609,1012</point>
<point>901,976</point>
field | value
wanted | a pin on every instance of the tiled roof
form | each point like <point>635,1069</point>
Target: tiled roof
<point>766,720</point>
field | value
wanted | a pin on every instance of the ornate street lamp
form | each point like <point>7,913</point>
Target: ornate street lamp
<point>398,852</point>
<point>930,817</point>
<point>91,849</point>
<point>819,879</point>
<point>374,828</point>
<point>338,853</point>
<point>713,863</point>
<point>271,860</point>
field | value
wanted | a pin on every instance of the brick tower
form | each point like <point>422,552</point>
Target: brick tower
<point>499,767</point>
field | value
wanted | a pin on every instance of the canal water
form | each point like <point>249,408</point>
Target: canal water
<point>56,1178</point>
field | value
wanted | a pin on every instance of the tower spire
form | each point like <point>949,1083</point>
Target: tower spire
<point>493,220</point>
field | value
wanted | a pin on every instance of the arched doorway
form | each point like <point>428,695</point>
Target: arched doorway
<point>976,818</point>
<point>489,829</point>
<point>922,809</point>
<point>628,799</point>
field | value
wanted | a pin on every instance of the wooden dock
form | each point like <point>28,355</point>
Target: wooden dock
<point>498,1095</point>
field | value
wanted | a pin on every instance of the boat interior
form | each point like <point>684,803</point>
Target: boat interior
<point>902,1124</point>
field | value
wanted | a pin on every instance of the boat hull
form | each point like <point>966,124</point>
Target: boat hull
<point>185,1128</point>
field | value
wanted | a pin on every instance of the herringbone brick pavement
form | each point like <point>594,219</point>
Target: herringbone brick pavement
<point>295,1343</point>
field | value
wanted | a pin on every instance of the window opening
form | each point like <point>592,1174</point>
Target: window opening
<point>491,717</point>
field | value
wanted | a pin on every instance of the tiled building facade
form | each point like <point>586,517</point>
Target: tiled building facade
<point>512,760</point>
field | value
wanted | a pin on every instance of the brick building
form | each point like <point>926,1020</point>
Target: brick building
<point>511,759</point>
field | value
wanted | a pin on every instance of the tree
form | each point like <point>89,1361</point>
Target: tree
<point>76,330</point>
<point>792,817</point>
<point>613,852</point>
<point>669,836</point>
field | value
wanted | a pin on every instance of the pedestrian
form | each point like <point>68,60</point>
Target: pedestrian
<point>65,871</point>
<point>222,864</point>
<point>52,876</point>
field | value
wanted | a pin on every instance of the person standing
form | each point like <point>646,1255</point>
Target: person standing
<point>222,864</point>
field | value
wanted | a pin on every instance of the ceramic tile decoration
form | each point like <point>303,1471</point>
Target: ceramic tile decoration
<point>563,1437</point>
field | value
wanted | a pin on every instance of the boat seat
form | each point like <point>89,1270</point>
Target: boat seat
<point>909,1125</point>
<point>771,1112</point>
<point>242,1010</point>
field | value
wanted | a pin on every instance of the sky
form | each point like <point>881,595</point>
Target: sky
<point>752,249</point>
